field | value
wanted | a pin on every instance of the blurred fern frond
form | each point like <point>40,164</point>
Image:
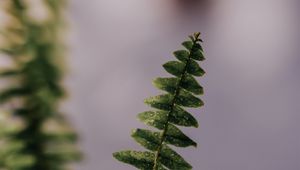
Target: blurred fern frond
<point>32,40</point>
<point>169,113</point>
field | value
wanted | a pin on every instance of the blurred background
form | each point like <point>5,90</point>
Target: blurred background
<point>250,120</point>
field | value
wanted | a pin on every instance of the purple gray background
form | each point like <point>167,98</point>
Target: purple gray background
<point>251,117</point>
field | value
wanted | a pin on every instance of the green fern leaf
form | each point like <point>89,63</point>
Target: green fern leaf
<point>43,140</point>
<point>188,45</point>
<point>168,112</point>
<point>174,67</point>
<point>158,118</point>
<point>182,55</point>
<point>141,160</point>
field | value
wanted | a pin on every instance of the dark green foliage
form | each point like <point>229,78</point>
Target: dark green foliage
<point>169,113</point>
<point>43,140</point>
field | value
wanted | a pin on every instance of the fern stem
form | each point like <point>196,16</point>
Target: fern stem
<point>165,130</point>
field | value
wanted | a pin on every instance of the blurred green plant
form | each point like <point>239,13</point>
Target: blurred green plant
<point>169,112</point>
<point>34,135</point>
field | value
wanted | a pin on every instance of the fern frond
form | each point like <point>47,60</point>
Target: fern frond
<point>44,140</point>
<point>169,112</point>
